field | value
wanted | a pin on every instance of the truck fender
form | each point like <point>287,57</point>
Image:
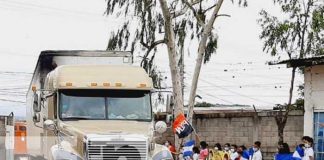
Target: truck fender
<point>58,153</point>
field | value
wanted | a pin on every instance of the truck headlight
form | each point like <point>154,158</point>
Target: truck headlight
<point>59,153</point>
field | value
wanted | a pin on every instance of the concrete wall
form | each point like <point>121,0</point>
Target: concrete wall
<point>314,93</point>
<point>243,128</point>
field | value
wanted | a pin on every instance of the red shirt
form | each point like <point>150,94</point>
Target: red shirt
<point>203,154</point>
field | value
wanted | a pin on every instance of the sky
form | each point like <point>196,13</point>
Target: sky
<point>236,74</point>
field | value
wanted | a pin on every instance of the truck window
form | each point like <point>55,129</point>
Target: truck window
<point>105,105</point>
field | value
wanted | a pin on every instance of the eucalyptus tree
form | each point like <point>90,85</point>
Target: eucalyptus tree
<point>298,33</point>
<point>173,23</point>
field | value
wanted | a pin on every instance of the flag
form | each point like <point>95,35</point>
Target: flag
<point>245,155</point>
<point>251,152</point>
<point>298,154</point>
<point>187,148</point>
<point>181,126</point>
<point>283,156</point>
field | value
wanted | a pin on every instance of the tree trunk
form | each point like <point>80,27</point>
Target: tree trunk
<point>291,85</point>
<point>173,63</point>
<point>201,52</point>
<point>281,127</point>
<point>281,119</point>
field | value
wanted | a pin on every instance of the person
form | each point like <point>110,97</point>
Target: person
<point>257,155</point>
<point>308,149</point>
<point>203,151</point>
<point>227,152</point>
<point>196,152</point>
<point>283,152</point>
<point>233,151</point>
<point>216,153</point>
<point>242,153</point>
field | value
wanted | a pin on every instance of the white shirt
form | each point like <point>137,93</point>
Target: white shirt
<point>195,156</point>
<point>257,155</point>
<point>308,152</point>
<point>234,155</point>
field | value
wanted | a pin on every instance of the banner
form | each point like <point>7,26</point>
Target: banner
<point>181,126</point>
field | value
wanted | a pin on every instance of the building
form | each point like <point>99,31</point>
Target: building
<point>314,99</point>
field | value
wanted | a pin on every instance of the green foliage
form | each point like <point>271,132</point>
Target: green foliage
<point>297,36</point>
<point>143,27</point>
<point>211,48</point>
<point>298,105</point>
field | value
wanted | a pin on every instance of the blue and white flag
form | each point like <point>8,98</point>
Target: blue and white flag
<point>187,148</point>
<point>246,155</point>
<point>283,156</point>
<point>298,154</point>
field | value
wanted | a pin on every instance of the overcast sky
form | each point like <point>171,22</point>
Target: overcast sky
<point>237,74</point>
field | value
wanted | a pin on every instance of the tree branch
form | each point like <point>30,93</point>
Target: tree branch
<point>209,8</point>
<point>190,6</point>
<point>223,15</point>
<point>150,47</point>
<point>184,9</point>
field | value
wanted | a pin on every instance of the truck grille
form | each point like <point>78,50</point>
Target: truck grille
<point>114,150</point>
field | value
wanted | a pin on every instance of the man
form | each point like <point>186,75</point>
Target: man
<point>257,155</point>
<point>308,148</point>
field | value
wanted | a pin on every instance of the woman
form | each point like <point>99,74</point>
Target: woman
<point>308,149</point>
<point>216,153</point>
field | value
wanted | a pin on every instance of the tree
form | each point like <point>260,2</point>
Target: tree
<point>298,35</point>
<point>172,23</point>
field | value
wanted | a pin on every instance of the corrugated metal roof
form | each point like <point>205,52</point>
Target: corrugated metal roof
<point>85,53</point>
<point>310,61</point>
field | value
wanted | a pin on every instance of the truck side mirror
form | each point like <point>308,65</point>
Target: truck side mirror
<point>49,125</point>
<point>36,117</point>
<point>36,103</point>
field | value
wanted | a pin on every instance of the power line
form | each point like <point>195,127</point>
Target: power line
<point>236,92</point>
<point>8,100</point>
<point>32,6</point>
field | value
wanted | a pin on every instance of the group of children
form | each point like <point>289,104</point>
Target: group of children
<point>303,151</point>
<point>230,152</point>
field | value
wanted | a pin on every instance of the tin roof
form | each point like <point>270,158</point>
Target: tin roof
<point>304,62</point>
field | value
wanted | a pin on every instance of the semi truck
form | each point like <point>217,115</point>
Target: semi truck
<point>91,105</point>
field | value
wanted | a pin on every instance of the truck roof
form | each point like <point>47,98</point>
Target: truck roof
<point>100,77</point>
<point>45,59</point>
<point>84,53</point>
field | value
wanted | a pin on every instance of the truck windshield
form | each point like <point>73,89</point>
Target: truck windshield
<point>105,105</point>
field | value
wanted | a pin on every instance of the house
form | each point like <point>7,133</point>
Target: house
<point>314,99</point>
